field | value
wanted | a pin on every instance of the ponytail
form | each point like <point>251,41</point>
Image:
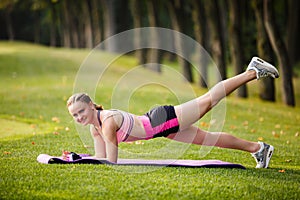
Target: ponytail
<point>98,107</point>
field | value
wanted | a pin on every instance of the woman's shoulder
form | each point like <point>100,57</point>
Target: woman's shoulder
<point>110,112</point>
<point>112,115</point>
<point>114,112</point>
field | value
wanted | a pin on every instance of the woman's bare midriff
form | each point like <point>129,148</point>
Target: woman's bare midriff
<point>138,131</point>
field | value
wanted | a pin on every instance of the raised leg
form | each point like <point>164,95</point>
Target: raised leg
<point>190,112</point>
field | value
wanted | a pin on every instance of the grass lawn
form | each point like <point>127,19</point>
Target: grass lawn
<point>35,83</point>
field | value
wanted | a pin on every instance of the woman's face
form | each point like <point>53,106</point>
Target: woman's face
<point>82,112</point>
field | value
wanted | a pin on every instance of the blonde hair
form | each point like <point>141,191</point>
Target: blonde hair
<point>82,97</point>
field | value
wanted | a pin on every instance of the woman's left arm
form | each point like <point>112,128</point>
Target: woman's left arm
<point>109,131</point>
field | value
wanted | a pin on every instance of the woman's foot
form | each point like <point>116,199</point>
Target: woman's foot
<point>263,156</point>
<point>262,68</point>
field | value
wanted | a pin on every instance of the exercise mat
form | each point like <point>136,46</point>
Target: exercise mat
<point>86,159</point>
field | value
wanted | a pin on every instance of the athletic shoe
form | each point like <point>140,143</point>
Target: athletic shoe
<point>262,68</point>
<point>263,156</point>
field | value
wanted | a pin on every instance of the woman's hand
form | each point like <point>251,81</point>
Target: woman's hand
<point>65,155</point>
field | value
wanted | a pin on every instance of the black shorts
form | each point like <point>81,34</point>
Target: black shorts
<point>160,122</point>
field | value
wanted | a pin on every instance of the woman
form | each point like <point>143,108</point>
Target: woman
<point>110,127</point>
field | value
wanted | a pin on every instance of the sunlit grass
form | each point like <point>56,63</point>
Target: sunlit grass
<point>35,83</point>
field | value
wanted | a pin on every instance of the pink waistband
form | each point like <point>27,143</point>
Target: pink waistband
<point>147,126</point>
<point>151,131</point>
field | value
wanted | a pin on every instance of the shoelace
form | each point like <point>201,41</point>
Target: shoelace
<point>264,73</point>
<point>259,156</point>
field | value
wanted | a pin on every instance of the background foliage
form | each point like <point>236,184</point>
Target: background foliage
<point>231,30</point>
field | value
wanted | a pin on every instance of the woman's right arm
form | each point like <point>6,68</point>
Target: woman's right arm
<point>99,144</point>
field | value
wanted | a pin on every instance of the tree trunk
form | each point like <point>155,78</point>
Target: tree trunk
<point>52,25</point>
<point>155,55</point>
<point>110,24</point>
<point>293,29</point>
<point>96,22</point>
<point>66,26</point>
<point>236,43</point>
<point>88,37</point>
<point>75,38</point>
<point>281,52</point>
<point>200,30</point>
<point>74,24</point>
<point>37,29</point>
<point>136,7</point>
<point>9,25</point>
<point>177,16</point>
<point>218,40</point>
<point>266,85</point>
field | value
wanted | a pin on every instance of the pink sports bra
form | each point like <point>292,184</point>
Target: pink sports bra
<point>126,126</point>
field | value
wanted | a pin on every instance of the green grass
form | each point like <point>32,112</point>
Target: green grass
<point>35,83</point>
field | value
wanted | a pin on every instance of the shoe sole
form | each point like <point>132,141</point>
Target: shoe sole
<point>265,63</point>
<point>269,156</point>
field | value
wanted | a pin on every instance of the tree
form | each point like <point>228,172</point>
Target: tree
<point>87,25</point>
<point>155,55</point>
<point>201,36</point>
<point>95,17</point>
<point>236,41</point>
<point>266,85</point>
<point>8,7</point>
<point>37,8</point>
<point>137,11</point>
<point>66,25</point>
<point>214,16</point>
<point>293,29</point>
<point>53,23</point>
<point>281,52</point>
<point>179,23</point>
<point>109,16</point>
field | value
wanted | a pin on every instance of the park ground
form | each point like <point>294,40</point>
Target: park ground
<point>35,84</point>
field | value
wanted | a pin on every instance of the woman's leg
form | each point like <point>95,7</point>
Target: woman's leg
<point>200,137</point>
<point>190,112</point>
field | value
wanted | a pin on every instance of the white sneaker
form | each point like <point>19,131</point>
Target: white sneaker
<point>262,68</point>
<point>263,156</point>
